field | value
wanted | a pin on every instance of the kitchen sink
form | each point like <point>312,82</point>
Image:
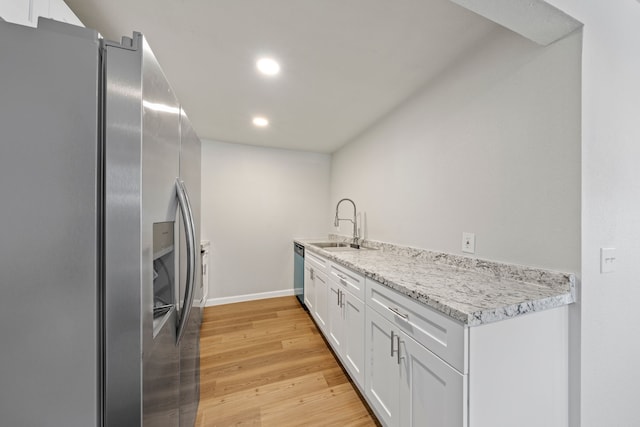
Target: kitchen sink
<point>325,245</point>
<point>338,246</point>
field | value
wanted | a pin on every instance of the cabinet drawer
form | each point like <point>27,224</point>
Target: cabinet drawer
<point>442,335</point>
<point>317,262</point>
<point>348,279</point>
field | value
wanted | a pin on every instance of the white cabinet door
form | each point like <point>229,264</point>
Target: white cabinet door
<point>382,376</point>
<point>315,294</point>
<point>335,321</point>
<point>321,303</point>
<point>432,393</point>
<point>309,288</point>
<point>346,329</point>
<point>354,337</point>
<point>415,388</point>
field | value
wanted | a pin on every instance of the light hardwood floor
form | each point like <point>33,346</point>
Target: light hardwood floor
<point>264,363</point>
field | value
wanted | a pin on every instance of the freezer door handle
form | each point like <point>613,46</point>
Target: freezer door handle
<point>190,237</point>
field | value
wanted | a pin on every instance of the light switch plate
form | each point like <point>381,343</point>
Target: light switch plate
<point>468,243</point>
<point>607,260</point>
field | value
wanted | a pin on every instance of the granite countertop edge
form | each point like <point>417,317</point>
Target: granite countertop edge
<point>558,288</point>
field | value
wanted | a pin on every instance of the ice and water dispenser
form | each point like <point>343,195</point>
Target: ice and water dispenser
<point>163,268</point>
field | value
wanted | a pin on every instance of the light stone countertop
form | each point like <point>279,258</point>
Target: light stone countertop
<point>469,290</point>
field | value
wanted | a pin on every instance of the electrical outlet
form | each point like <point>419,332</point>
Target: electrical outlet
<point>468,243</point>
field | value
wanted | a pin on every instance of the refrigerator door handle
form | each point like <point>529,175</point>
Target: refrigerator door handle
<point>190,237</point>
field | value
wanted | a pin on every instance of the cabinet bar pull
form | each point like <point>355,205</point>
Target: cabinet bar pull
<point>311,273</point>
<point>392,336</point>
<point>398,353</point>
<point>343,279</point>
<point>396,311</point>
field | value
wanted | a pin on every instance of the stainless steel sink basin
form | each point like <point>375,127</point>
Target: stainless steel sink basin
<point>325,245</point>
<point>338,246</point>
<point>342,249</point>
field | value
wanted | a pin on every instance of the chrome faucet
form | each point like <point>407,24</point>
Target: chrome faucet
<point>337,220</point>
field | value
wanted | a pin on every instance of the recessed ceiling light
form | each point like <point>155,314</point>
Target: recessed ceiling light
<point>260,121</point>
<point>268,66</point>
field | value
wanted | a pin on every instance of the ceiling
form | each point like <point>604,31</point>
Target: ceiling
<point>345,63</point>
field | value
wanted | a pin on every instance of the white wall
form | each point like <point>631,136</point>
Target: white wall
<point>491,147</point>
<point>610,344</point>
<point>255,201</point>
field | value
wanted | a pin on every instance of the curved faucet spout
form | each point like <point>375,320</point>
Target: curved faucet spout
<point>337,220</point>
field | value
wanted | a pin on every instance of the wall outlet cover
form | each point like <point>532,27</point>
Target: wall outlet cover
<point>607,260</point>
<point>468,243</point>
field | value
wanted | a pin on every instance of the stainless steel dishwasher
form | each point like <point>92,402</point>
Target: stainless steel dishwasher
<point>298,272</point>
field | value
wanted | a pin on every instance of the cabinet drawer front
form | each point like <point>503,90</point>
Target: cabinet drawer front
<point>317,262</point>
<point>348,279</point>
<point>442,335</point>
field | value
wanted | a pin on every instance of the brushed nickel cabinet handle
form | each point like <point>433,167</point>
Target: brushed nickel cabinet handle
<point>392,350</point>
<point>396,311</point>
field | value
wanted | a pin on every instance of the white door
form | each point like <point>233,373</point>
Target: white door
<point>383,371</point>
<point>433,394</point>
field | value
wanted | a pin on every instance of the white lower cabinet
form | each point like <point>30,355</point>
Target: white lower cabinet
<point>382,371</point>
<point>336,318</point>
<point>432,393</point>
<point>339,314</point>
<point>417,367</point>
<point>346,330</point>
<point>425,369</point>
<point>406,384</point>
<point>315,295</point>
<point>309,288</point>
<point>316,288</point>
<point>321,307</point>
<point>354,347</point>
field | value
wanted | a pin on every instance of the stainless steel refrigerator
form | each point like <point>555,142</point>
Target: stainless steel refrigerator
<point>99,234</point>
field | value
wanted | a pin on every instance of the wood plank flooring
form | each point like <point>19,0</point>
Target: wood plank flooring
<point>264,363</point>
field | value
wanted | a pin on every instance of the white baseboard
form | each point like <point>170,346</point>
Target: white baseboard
<point>249,297</point>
